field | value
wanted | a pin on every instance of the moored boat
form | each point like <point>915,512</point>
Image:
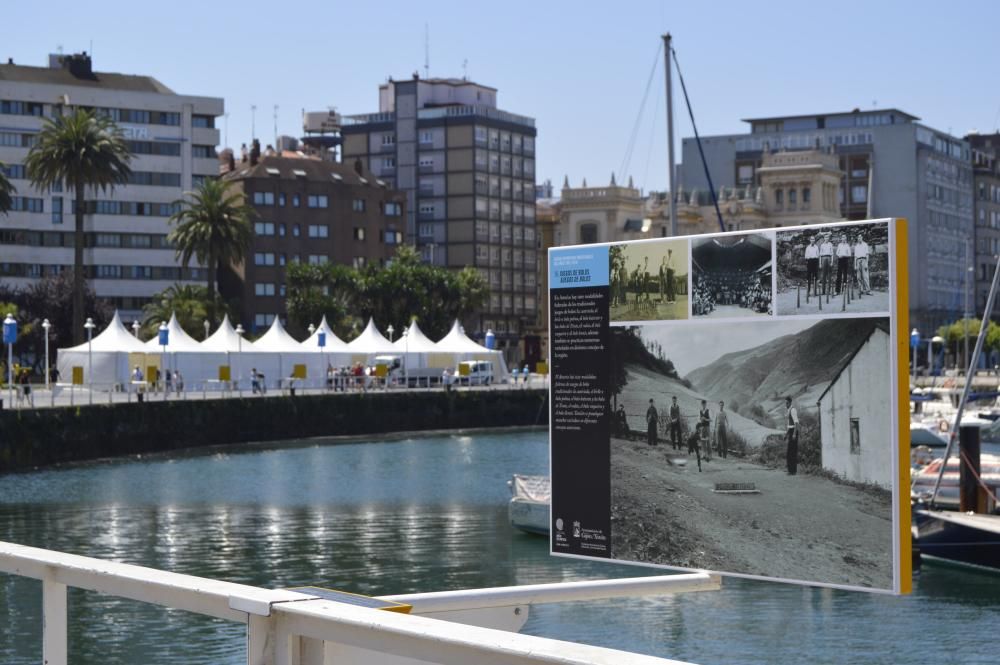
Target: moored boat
<point>529,503</point>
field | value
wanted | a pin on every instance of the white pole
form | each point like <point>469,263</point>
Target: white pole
<point>670,137</point>
<point>46,325</point>
<point>90,363</point>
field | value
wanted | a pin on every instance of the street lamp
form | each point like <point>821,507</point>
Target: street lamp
<point>135,329</point>
<point>164,341</point>
<point>321,341</point>
<point>239,357</point>
<point>9,337</point>
<point>914,344</point>
<point>390,330</point>
<point>46,325</point>
<point>937,339</point>
<point>207,326</point>
<point>90,325</point>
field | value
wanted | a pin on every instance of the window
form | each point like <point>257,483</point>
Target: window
<point>426,137</point>
<point>855,436</point>
<point>317,201</point>
<point>108,272</point>
<point>203,121</point>
<point>393,237</point>
<point>427,209</point>
<point>318,259</point>
<point>393,209</point>
<point>588,233</point>
<point>806,196</point>
<point>359,233</point>
<point>426,230</point>
<point>57,210</point>
<point>281,230</point>
<point>358,205</point>
<point>859,194</point>
<point>154,148</point>
<point>388,162</point>
<point>282,259</point>
<point>779,197</point>
<point>8,107</point>
<point>319,231</point>
<point>358,262</point>
<point>155,179</point>
<point>263,258</point>
<point>263,228</point>
<point>263,320</point>
<point>744,174</point>
<point>203,152</point>
<point>295,230</point>
<point>263,289</point>
<point>281,199</point>
<point>25,204</point>
<point>296,201</point>
<point>263,198</point>
<point>793,196</point>
<point>16,172</point>
<point>107,240</point>
<point>480,135</point>
<point>388,139</point>
<point>425,162</point>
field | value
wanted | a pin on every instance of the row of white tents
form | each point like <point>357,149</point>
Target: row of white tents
<point>110,358</point>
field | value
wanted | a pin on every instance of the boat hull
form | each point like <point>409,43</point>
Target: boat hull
<point>972,540</point>
<point>529,516</point>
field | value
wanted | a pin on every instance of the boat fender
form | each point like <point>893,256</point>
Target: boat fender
<point>943,425</point>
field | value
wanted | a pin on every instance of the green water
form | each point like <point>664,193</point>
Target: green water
<point>413,515</point>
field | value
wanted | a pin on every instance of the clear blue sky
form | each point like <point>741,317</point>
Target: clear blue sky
<point>579,68</point>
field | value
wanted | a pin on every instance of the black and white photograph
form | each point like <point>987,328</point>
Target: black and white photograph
<point>767,453</point>
<point>833,270</point>
<point>731,276</point>
<point>649,281</point>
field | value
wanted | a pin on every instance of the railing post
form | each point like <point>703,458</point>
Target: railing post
<point>260,640</point>
<point>54,651</point>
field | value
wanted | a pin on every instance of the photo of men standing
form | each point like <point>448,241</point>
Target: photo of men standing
<point>652,417</point>
<point>675,424</point>
<point>791,437</point>
<point>843,263</point>
<point>721,428</point>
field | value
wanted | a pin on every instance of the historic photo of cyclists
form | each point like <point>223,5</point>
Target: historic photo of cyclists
<point>731,276</point>
<point>833,270</point>
<point>765,451</point>
<point>649,281</point>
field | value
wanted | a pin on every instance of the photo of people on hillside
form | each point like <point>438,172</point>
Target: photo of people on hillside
<point>766,453</point>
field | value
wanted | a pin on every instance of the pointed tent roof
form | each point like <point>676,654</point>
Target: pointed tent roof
<point>113,338</point>
<point>277,340</point>
<point>370,341</point>
<point>226,339</point>
<point>178,338</point>
<point>333,343</point>
<point>456,341</point>
<point>415,341</point>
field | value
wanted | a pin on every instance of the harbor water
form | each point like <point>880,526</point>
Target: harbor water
<point>419,514</point>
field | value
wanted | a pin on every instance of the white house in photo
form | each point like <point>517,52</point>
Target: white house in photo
<point>854,415</point>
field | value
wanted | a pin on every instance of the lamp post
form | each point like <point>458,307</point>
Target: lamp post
<point>312,331</point>
<point>164,334</point>
<point>89,325</point>
<point>46,325</point>
<point>914,345</point>
<point>207,326</point>
<point>406,357</point>
<point>390,330</point>
<point>9,337</point>
<point>135,329</point>
<point>239,357</point>
<point>321,341</point>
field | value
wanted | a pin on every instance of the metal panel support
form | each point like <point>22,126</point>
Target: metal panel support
<point>54,651</point>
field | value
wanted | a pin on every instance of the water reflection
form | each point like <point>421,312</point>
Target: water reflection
<point>407,516</point>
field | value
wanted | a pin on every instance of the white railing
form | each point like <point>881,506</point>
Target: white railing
<point>291,628</point>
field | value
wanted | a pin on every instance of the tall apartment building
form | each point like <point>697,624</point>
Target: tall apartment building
<point>312,211</point>
<point>172,138</point>
<point>986,175</point>
<point>468,170</point>
<point>893,167</point>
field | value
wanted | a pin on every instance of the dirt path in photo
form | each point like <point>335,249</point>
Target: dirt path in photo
<point>798,527</point>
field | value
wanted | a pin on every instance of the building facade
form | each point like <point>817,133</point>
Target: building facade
<point>893,167</point>
<point>986,174</point>
<point>311,211</point>
<point>172,138</point>
<point>468,171</point>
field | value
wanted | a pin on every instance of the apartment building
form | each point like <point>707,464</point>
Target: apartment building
<point>172,138</point>
<point>986,184</point>
<point>468,171</point>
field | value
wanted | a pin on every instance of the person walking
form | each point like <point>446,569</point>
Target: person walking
<point>791,437</point>
<point>178,382</point>
<point>651,419</point>
<point>254,382</point>
<point>675,424</point>
<point>704,424</point>
<point>721,431</point>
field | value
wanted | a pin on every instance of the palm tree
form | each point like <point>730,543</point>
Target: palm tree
<point>213,226</point>
<point>6,192</point>
<point>188,301</point>
<point>83,149</point>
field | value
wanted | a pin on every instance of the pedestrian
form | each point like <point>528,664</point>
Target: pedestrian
<point>791,437</point>
<point>524,373</point>
<point>704,423</point>
<point>178,382</point>
<point>651,418</point>
<point>675,424</point>
<point>167,380</point>
<point>721,428</point>
<point>137,374</point>
<point>254,381</point>
<point>54,375</point>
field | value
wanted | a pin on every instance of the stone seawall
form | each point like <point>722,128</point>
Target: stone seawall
<point>43,437</point>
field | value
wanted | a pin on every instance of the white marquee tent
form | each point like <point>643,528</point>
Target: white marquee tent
<point>107,354</point>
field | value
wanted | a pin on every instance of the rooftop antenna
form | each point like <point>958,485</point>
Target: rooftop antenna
<point>59,49</point>
<point>427,51</point>
<point>465,69</point>
<point>253,122</point>
<point>276,127</point>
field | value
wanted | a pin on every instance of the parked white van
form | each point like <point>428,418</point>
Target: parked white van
<point>475,373</point>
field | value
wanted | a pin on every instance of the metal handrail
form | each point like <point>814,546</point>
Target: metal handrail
<point>291,628</point>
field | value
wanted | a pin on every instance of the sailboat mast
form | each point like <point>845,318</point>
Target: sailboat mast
<point>670,137</point>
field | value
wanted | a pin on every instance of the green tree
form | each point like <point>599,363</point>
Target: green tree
<point>213,226</point>
<point>7,191</point>
<point>83,149</point>
<point>191,304</point>
<point>316,291</point>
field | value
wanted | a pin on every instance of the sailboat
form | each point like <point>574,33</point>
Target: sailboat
<point>969,536</point>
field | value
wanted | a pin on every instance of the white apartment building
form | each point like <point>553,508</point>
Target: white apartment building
<point>172,138</point>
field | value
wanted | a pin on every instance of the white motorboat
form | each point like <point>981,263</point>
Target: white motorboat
<point>529,503</point>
